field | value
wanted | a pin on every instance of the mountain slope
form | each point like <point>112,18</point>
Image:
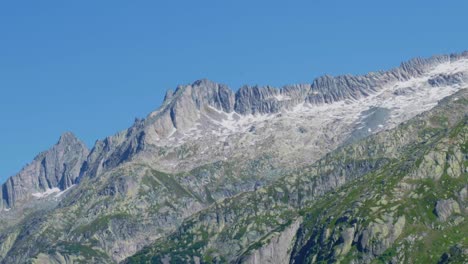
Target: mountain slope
<point>393,197</point>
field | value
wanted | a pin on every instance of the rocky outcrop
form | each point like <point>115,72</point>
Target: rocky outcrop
<point>181,109</point>
<point>7,239</point>
<point>433,166</point>
<point>380,235</point>
<point>277,248</point>
<point>267,100</point>
<point>447,79</point>
<point>445,208</point>
<point>58,167</point>
<point>328,89</point>
<point>112,151</point>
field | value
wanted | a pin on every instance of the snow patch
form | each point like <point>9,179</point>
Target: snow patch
<point>46,193</point>
<point>64,191</point>
<point>403,99</point>
<point>172,132</point>
<point>281,97</point>
<point>234,122</point>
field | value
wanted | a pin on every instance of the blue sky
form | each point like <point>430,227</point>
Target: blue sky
<point>91,67</point>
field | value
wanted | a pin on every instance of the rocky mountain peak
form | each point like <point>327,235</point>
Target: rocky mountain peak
<point>204,82</point>
<point>208,104</point>
<point>54,169</point>
<point>68,138</point>
<point>181,109</point>
<point>206,92</point>
<point>199,93</point>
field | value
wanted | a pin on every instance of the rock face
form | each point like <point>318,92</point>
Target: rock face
<point>379,236</point>
<point>446,79</point>
<point>445,208</point>
<point>181,109</point>
<point>267,100</point>
<point>58,167</point>
<point>277,249</point>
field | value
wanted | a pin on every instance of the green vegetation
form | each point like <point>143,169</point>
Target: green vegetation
<point>101,223</point>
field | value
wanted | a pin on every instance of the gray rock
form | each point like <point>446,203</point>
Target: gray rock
<point>277,250</point>
<point>446,79</point>
<point>347,236</point>
<point>445,208</point>
<point>379,236</point>
<point>267,100</point>
<point>463,194</point>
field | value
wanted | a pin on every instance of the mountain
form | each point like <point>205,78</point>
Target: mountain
<point>258,175</point>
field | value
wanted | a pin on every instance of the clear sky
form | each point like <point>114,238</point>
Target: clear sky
<point>91,67</point>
